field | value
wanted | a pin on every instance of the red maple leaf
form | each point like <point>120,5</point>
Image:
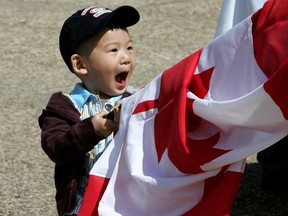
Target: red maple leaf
<point>175,117</point>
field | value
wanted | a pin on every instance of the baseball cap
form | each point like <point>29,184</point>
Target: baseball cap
<point>88,22</point>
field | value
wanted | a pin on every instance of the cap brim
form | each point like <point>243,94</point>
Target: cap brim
<point>123,16</point>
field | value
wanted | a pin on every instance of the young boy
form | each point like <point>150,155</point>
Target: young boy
<point>96,46</point>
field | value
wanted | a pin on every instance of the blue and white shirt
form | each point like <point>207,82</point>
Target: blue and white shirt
<point>88,105</point>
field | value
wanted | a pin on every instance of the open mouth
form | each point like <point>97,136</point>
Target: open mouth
<point>121,78</point>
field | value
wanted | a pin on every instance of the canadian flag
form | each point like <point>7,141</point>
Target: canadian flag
<point>183,139</point>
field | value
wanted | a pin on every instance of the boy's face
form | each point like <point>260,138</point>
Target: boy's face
<point>110,64</point>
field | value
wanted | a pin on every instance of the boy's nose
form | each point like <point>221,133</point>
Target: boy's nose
<point>125,58</point>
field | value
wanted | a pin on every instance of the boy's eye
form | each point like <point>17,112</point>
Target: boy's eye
<point>113,50</point>
<point>130,48</point>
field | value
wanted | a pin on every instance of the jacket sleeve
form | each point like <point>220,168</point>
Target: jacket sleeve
<point>64,137</point>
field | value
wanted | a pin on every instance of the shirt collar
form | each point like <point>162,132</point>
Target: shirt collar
<point>80,95</point>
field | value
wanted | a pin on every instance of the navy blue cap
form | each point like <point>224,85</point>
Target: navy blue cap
<point>90,21</point>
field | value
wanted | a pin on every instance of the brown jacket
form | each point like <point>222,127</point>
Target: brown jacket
<point>66,139</point>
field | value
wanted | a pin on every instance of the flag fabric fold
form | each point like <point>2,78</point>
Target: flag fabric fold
<point>183,138</point>
<point>234,11</point>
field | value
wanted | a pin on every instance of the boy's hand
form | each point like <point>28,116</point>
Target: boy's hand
<point>105,126</point>
<point>102,125</point>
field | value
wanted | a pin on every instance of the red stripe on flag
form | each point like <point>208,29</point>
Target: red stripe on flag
<point>276,87</point>
<point>93,194</point>
<point>219,195</point>
<point>270,27</point>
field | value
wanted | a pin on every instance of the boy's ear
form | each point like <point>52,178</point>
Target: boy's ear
<point>78,65</point>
